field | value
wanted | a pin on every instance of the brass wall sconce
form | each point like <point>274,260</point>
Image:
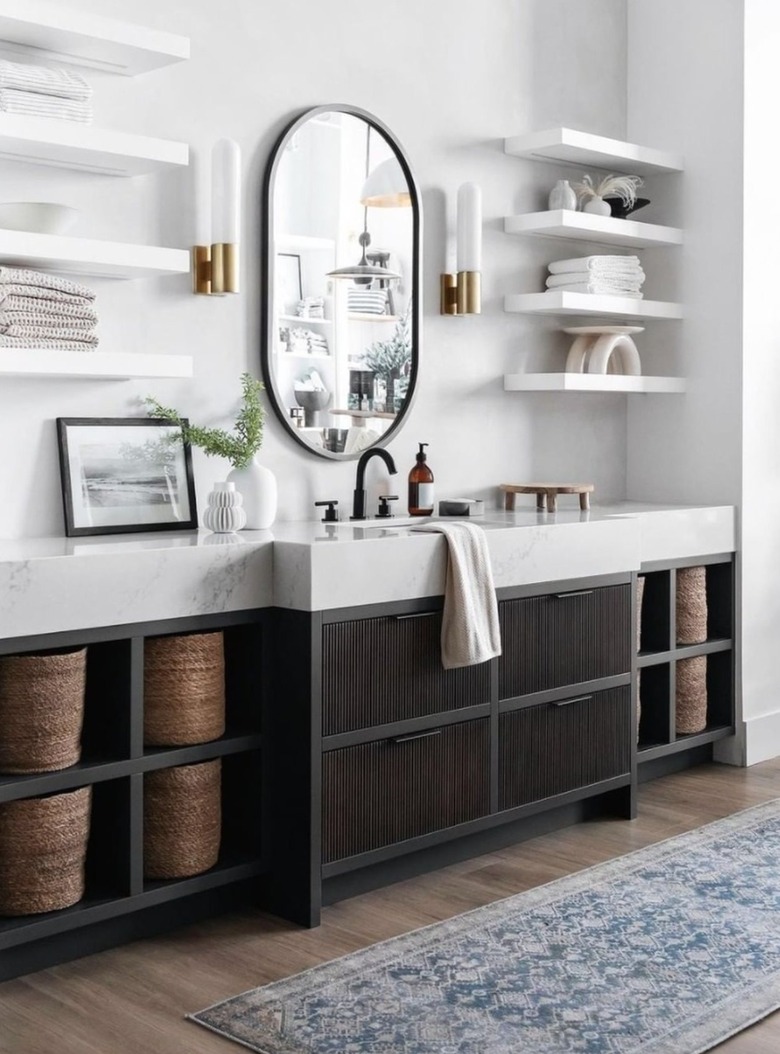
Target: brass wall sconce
<point>461,293</point>
<point>215,267</point>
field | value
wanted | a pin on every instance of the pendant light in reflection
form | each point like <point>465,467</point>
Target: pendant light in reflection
<point>384,187</point>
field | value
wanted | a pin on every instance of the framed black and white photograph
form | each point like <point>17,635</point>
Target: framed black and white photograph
<point>290,279</point>
<point>124,474</point>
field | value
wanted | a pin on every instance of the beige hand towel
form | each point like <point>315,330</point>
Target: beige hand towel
<point>470,632</point>
<point>36,283</point>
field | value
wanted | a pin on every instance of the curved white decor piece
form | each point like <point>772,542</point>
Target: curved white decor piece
<point>224,514</point>
<point>257,484</point>
<point>617,346</point>
<point>576,360</point>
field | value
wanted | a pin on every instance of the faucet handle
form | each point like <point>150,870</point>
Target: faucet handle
<point>384,506</point>
<point>331,516</point>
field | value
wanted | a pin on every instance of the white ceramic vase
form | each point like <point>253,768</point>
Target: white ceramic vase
<point>562,196</point>
<point>597,206</point>
<point>257,484</point>
<point>225,513</point>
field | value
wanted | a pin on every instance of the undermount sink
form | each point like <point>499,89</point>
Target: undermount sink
<point>391,523</point>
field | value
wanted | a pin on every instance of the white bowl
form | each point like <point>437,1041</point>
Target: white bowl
<point>41,217</point>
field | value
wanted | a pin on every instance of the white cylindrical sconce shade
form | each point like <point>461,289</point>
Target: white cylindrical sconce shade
<point>225,191</point>
<point>469,227</point>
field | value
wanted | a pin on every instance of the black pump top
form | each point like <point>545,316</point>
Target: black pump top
<point>422,456</point>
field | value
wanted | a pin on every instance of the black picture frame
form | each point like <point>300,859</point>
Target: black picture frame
<point>103,487</point>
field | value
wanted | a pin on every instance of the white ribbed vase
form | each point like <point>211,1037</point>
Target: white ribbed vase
<point>225,513</point>
<point>258,486</point>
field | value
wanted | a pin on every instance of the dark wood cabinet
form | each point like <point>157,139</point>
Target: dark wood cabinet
<point>563,745</point>
<point>379,670</point>
<point>563,638</point>
<point>119,903</point>
<point>659,657</point>
<point>383,792</point>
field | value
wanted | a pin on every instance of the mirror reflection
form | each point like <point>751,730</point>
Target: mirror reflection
<point>343,230</point>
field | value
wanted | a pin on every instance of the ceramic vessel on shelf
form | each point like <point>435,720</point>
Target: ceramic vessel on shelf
<point>225,513</point>
<point>597,206</point>
<point>562,196</point>
<point>604,349</point>
<point>38,217</point>
<point>312,403</point>
<point>619,208</point>
<point>257,485</point>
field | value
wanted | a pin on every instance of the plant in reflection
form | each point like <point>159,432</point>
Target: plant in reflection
<point>392,360</point>
<point>238,446</point>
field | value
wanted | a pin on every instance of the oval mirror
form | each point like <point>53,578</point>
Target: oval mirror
<point>341,301</point>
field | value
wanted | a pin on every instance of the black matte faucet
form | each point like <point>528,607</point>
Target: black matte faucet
<point>359,494</point>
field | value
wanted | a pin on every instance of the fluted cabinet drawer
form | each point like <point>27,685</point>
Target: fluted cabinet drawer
<point>558,747</point>
<point>379,793</point>
<point>564,638</point>
<point>379,670</point>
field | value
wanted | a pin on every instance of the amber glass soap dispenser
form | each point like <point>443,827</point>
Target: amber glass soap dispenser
<point>421,486</point>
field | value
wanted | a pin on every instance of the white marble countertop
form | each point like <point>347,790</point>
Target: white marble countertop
<point>53,584</point>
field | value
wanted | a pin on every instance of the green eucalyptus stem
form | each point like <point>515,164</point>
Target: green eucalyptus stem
<point>237,447</point>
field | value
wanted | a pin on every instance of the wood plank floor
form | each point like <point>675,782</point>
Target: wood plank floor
<point>132,1000</point>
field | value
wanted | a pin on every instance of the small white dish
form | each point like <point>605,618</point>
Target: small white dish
<point>38,217</point>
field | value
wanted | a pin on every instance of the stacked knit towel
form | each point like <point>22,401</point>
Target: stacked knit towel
<point>37,91</point>
<point>600,275</point>
<point>367,301</point>
<point>43,311</point>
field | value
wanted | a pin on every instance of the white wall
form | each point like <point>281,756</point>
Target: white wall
<point>761,384</point>
<point>685,94</point>
<point>451,78</point>
<point>703,78</point>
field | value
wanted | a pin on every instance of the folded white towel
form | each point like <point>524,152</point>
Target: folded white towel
<point>36,283</point>
<point>42,320</point>
<point>470,632</point>
<point>67,333</point>
<point>15,308</point>
<point>55,82</point>
<point>45,344</point>
<point>27,102</point>
<point>589,264</point>
<point>595,289</point>
<point>632,284</point>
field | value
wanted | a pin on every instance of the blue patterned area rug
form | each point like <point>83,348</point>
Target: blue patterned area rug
<point>668,950</point>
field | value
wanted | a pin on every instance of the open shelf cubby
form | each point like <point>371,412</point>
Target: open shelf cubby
<point>659,657</point>
<point>113,762</point>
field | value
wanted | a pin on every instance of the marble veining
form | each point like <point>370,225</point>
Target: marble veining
<point>52,584</point>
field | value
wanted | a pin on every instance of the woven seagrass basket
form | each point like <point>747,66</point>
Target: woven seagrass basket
<point>43,848</point>
<point>184,689</point>
<point>41,710</point>
<point>691,605</point>
<point>182,820</point>
<point>691,695</point>
<point>640,592</point>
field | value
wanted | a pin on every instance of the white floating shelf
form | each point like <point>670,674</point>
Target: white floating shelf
<point>567,145</point>
<point>86,256</point>
<point>44,30</point>
<point>306,321</point>
<point>583,226</point>
<point>67,144</point>
<point>591,382</point>
<point>119,366</point>
<point>562,303</point>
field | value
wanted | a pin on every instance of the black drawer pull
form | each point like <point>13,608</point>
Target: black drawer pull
<point>416,735</point>
<point>416,614</point>
<point>577,699</point>
<point>574,593</point>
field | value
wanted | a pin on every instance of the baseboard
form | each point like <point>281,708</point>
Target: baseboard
<point>762,738</point>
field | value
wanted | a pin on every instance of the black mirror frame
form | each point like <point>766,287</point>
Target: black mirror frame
<point>267,278</point>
